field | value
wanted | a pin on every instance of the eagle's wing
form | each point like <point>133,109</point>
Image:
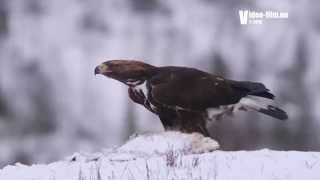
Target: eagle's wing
<point>191,89</point>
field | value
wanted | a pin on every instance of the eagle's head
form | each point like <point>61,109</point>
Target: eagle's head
<point>129,72</point>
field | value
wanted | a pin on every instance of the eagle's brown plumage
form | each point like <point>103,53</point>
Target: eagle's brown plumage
<point>185,98</point>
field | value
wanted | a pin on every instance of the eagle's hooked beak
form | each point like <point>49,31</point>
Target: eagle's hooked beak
<point>101,69</point>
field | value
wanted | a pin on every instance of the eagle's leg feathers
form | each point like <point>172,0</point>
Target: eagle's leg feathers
<point>217,114</point>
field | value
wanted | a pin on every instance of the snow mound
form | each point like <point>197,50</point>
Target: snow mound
<point>162,143</point>
<point>150,145</point>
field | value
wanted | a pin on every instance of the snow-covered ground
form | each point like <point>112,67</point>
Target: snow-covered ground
<point>173,155</point>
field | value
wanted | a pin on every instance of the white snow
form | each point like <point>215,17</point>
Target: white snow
<point>170,141</point>
<point>173,155</point>
<point>155,145</point>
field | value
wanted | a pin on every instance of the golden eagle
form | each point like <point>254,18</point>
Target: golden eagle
<point>185,98</point>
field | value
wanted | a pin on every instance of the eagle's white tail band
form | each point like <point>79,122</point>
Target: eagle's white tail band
<point>255,102</point>
<point>246,103</point>
<point>249,102</point>
<point>263,105</point>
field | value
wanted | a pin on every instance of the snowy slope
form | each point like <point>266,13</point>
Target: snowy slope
<point>138,159</point>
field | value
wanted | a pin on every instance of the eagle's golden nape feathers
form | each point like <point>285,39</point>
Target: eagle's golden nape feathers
<point>122,66</point>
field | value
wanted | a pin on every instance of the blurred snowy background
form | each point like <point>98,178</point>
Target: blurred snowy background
<point>52,105</point>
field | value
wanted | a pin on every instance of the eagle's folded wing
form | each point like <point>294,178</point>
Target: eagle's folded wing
<point>196,91</point>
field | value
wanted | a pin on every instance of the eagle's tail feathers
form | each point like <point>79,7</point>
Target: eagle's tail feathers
<point>263,105</point>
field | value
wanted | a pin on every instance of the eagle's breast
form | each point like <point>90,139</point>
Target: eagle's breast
<point>140,86</point>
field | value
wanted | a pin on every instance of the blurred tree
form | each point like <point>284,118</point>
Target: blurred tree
<point>149,6</point>
<point>251,131</point>
<point>218,66</point>
<point>4,111</point>
<point>22,157</point>
<point>4,29</point>
<point>34,7</point>
<point>43,119</point>
<point>92,22</point>
<point>294,92</point>
<point>145,5</point>
<point>223,130</point>
<point>129,121</point>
